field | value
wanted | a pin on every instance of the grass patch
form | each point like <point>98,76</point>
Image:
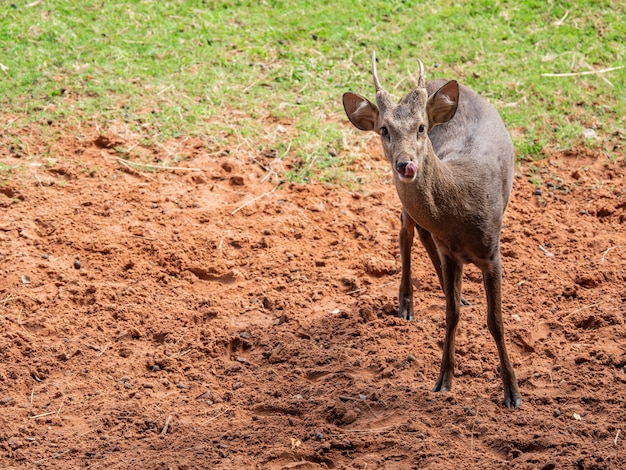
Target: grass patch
<point>270,74</point>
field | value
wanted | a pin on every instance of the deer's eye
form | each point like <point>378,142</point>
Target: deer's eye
<point>421,129</point>
<point>384,131</point>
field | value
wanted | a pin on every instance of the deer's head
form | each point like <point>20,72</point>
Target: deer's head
<point>403,127</point>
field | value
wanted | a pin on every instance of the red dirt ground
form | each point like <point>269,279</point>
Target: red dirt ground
<point>146,324</point>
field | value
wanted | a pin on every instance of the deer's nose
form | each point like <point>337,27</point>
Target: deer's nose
<point>406,169</point>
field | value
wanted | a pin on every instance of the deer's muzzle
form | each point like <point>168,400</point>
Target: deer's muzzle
<point>406,169</point>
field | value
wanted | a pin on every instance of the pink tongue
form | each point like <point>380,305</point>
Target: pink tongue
<point>410,170</point>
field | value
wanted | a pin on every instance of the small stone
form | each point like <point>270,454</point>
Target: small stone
<point>15,443</point>
<point>244,335</point>
<point>76,263</point>
<point>319,436</point>
<point>156,368</point>
<point>349,417</point>
<point>25,279</point>
<point>411,358</point>
<point>556,413</point>
<point>589,133</point>
<point>538,192</point>
<point>182,386</point>
<point>7,401</point>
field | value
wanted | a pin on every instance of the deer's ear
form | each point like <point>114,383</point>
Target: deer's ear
<point>362,113</point>
<point>442,104</point>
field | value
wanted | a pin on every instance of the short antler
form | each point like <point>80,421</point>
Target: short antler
<point>420,81</point>
<point>375,74</point>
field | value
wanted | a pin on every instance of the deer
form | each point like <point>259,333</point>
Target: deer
<point>452,161</point>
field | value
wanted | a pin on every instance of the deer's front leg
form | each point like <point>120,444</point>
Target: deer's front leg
<point>407,232</point>
<point>431,248</point>
<point>493,287</point>
<point>452,272</point>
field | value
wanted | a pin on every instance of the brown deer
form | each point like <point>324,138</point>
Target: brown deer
<point>452,161</point>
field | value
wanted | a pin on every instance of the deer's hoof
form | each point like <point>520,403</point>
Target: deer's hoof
<point>406,312</point>
<point>514,402</point>
<point>444,384</point>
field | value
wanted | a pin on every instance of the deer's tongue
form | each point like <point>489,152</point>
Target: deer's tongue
<point>410,170</point>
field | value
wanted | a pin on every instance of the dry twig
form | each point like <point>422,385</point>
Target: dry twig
<point>8,299</point>
<point>134,170</point>
<point>128,163</point>
<point>575,74</point>
<point>369,431</point>
<point>560,22</point>
<point>103,349</point>
<point>253,200</point>
<point>218,415</point>
<point>584,307</point>
<point>606,252</point>
<point>43,414</point>
<point>165,426</point>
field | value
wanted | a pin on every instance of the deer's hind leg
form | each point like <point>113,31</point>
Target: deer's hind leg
<point>492,276</point>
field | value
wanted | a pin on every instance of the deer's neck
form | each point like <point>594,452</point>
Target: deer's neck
<point>431,196</point>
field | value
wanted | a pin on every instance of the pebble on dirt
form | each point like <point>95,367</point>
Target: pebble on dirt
<point>349,417</point>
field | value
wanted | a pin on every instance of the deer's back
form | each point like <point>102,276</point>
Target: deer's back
<point>475,139</point>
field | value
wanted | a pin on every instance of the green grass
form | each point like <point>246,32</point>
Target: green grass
<point>269,75</point>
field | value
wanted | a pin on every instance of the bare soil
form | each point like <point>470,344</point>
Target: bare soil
<point>212,319</point>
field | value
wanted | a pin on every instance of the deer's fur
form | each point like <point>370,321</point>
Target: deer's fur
<point>452,161</point>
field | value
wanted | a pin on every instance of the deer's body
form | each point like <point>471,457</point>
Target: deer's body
<point>453,163</point>
<point>460,200</point>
